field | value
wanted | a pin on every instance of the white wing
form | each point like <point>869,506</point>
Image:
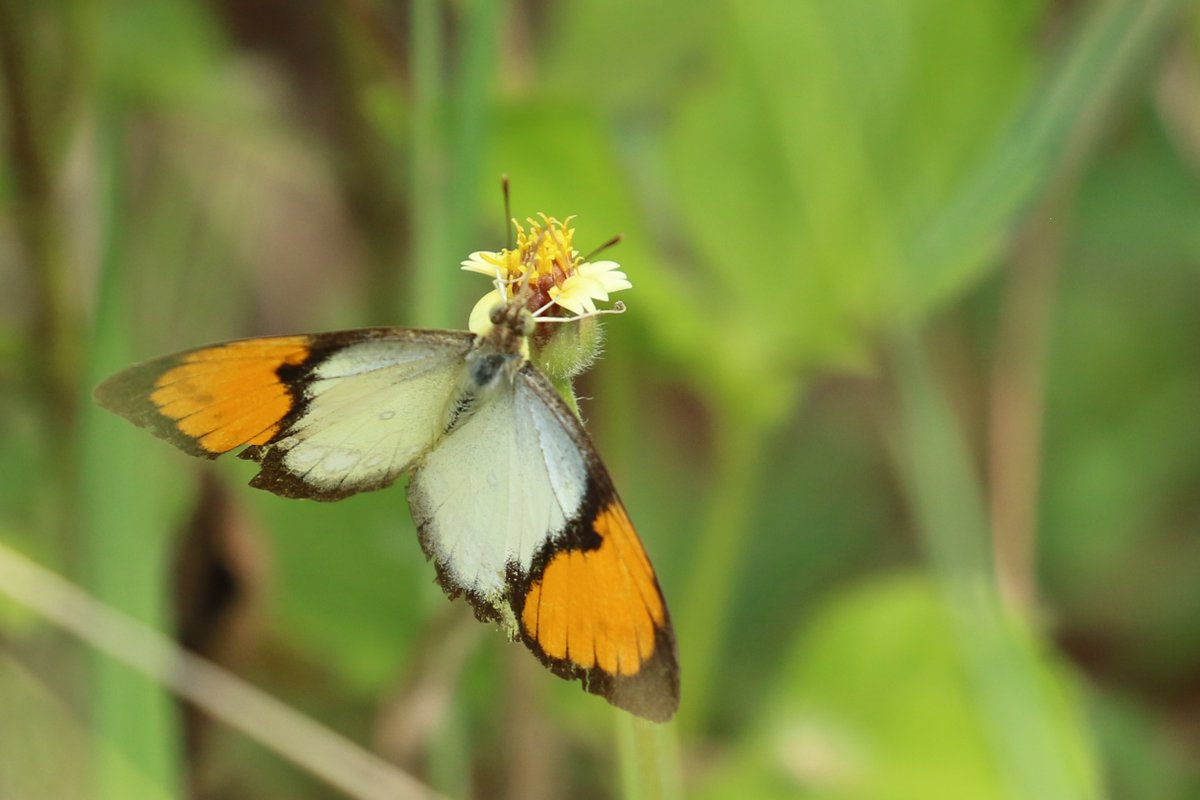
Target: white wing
<point>489,495</point>
<point>368,410</point>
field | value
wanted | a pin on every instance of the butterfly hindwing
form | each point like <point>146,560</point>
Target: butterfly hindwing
<point>327,415</point>
<point>487,495</point>
<point>591,609</point>
<point>519,514</point>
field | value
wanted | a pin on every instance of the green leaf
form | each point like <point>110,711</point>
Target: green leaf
<point>875,701</point>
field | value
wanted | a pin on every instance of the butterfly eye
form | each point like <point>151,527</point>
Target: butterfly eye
<point>496,315</point>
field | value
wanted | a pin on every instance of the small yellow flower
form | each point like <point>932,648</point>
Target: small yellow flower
<point>545,266</point>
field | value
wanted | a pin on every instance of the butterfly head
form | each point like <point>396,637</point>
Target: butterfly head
<point>511,326</point>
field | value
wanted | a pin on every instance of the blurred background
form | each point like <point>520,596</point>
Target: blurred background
<point>904,405</point>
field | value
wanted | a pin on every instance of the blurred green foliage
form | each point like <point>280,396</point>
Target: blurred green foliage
<point>876,699</point>
<point>902,405</point>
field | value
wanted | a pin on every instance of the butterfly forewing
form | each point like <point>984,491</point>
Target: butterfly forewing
<point>366,413</point>
<point>210,400</point>
<point>328,415</point>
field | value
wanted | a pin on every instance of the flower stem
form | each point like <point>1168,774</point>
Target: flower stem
<point>649,759</point>
<point>947,504</point>
<point>718,560</point>
<point>431,271</point>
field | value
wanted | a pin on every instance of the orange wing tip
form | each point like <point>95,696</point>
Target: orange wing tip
<point>652,692</point>
<point>595,612</point>
<point>209,401</point>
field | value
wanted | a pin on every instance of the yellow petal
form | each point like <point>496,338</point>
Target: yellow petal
<point>479,262</point>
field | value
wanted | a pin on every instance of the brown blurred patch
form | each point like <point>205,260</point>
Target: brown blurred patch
<point>221,572</point>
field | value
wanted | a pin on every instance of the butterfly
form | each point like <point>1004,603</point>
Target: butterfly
<point>511,502</point>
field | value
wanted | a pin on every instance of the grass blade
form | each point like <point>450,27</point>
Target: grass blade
<point>306,743</point>
<point>948,507</point>
<point>1112,43</point>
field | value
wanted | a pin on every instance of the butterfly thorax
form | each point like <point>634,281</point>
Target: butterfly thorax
<point>492,362</point>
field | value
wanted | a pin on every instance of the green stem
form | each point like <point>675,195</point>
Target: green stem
<point>366,166</point>
<point>445,175</point>
<point>718,560</point>
<point>432,275</point>
<point>476,68</point>
<point>948,506</point>
<point>649,757</point>
<point>126,512</point>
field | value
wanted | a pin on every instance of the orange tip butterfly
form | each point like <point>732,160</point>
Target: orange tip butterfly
<point>512,503</point>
